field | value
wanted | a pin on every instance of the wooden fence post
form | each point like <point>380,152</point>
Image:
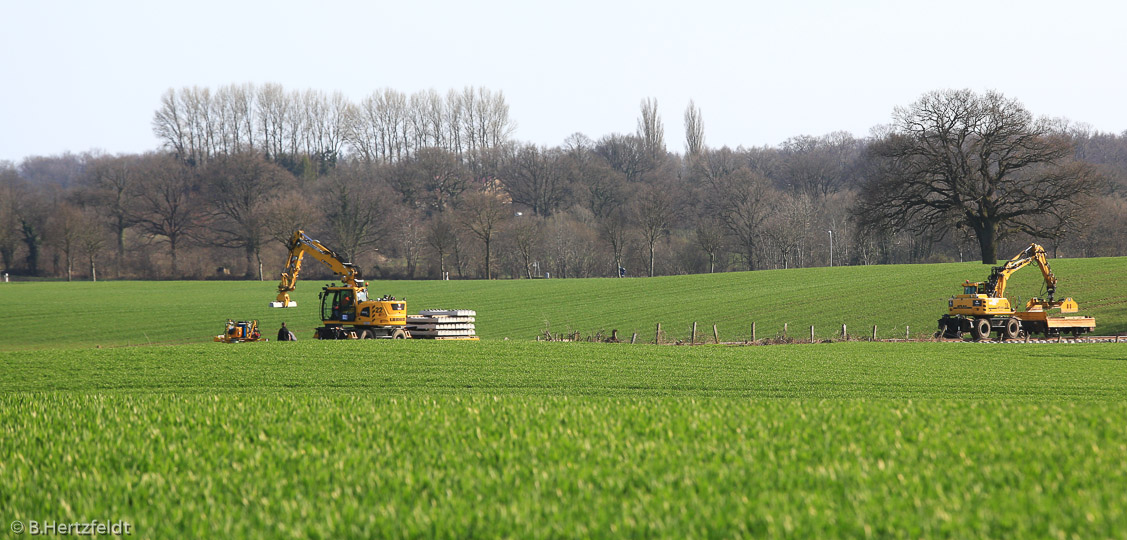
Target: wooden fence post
<point>844,334</point>
<point>907,332</point>
<point>634,338</point>
<point>784,330</point>
<point>657,335</point>
<point>693,338</point>
<point>874,333</point>
<point>811,333</point>
<point>753,331</point>
<point>715,335</point>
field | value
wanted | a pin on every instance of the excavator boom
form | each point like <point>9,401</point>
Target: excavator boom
<point>996,285</point>
<point>300,245</point>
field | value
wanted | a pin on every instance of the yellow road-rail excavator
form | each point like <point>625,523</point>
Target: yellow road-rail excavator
<point>983,307</point>
<point>346,310</point>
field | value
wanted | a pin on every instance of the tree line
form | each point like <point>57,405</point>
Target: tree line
<point>425,186</point>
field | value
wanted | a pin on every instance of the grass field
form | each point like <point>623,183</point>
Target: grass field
<point>51,315</point>
<point>513,438</point>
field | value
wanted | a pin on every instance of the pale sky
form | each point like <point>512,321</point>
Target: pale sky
<point>84,75</point>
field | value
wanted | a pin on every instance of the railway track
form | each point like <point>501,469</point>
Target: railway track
<point>1060,339</point>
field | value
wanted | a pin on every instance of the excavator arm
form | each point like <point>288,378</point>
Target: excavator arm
<point>996,286</point>
<point>300,245</point>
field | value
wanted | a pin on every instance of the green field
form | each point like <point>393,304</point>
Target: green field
<point>51,315</point>
<point>514,438</point>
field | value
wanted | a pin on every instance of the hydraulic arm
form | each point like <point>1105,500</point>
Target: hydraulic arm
<point>299,246</point>
<point>996,284</point>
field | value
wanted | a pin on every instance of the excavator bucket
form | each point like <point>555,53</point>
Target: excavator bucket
<point>283,299</point>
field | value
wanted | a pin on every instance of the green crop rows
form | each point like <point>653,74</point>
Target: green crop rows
<point>50,315</point>
<point>514,438</point>
<point>330,466</point>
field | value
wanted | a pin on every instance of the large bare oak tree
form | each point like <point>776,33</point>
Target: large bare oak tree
<point>956,158</point>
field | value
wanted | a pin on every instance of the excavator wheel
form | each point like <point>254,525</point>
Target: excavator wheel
<point>980,330</point>
<point>1012,329</point>
<point>399,334</point>
<point>365,334</point>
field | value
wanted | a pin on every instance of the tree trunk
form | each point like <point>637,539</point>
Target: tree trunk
<point>488,270</point>
<point>172,252</point>
<point>651,259</point>
<point>987,233</point>
<point>249,273</point>
<point>93,271</point>
<point>32,239</point>
<point>120,255</point>
<point>6,255</point>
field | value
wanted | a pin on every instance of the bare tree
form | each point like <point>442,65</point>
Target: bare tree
<point>602,189</point>
<point>483,213</point>
<point>694,132</point>
<point>10,188</point>
<point>442,238</point>
<point>91,241</point>
<point>958,158</point>
<point>111,187</point>
<point>651,132</point>
<point>431,179</point>
<point>710,238</point>
<point>167,209</point>
<point>410,237</point>
<point>272,111</point>
<point>238,189</point>
<point>624,153</point>
<point>289,211</point>
<point>524,233</point>
<point>615,231</point>
<point>356,210</point>
<point>170,124</point>
<point>534,177</point>
<point>741,200</point>
<point>654,210</point>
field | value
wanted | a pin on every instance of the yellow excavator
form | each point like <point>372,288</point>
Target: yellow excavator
<point>983,307</point>
<point>346,310</point>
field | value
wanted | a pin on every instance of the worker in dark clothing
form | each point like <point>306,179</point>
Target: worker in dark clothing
<point>284,334</point>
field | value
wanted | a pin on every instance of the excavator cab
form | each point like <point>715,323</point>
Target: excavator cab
<point>339,304</point>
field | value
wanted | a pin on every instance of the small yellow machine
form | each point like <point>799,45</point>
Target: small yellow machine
<point>346,310</point>
<point>983,307</point>
<point>239,332</point>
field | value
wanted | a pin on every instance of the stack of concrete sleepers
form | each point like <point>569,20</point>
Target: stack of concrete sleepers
<point>443,324</point>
